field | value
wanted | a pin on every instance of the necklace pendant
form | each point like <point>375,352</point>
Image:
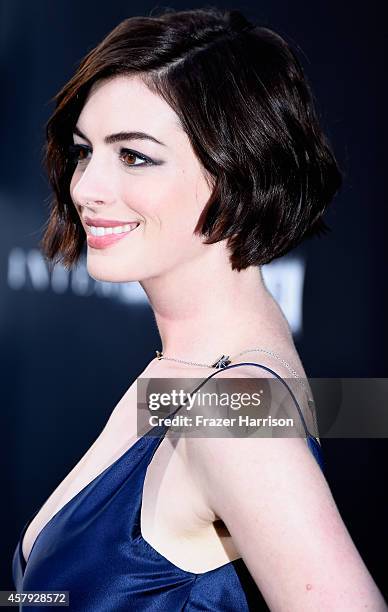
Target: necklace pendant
<point>159,355</point>
<point>222,362</point>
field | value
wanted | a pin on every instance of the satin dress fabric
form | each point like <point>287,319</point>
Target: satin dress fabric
<point>93,548</point>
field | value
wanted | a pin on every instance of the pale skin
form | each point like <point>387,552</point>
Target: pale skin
<point>264,500</point>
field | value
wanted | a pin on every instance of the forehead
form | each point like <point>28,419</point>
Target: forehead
<point>125,102</point>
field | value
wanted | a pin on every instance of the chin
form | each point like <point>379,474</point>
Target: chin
<point>107,271</point>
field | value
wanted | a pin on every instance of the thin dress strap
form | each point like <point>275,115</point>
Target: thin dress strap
<point>312,441</point>
<point>245,363</point>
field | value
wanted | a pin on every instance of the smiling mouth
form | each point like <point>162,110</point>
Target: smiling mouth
<point>107,231</point>
<point>102,237</point>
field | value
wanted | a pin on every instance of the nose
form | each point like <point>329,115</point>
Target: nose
<point>93,187</point>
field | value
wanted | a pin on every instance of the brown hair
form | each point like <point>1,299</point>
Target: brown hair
<point>243,100</point>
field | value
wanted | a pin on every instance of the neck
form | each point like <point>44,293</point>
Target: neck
<point>203,312</point>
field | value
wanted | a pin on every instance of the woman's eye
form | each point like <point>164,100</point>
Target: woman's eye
<point>127,156</point>
<point>79,154</point>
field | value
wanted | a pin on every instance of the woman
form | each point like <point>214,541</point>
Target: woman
<point>187,151</point>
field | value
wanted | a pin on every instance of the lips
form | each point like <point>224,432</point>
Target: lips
<point>101,242</point>
<point>107,222</point>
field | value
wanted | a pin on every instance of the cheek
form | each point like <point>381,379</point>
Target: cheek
<point>166,204</point>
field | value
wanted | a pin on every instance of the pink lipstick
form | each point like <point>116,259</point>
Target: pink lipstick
<point>101,233</point>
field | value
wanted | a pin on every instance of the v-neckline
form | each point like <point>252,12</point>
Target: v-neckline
<point>23,561</point>
<point>163,427</point>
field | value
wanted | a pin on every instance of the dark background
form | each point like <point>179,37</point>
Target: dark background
<point>70,347</point>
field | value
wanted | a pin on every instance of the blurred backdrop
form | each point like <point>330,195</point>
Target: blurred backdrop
<point>70,346</point>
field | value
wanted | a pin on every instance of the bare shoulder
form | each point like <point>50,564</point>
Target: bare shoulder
<point>279,510</point>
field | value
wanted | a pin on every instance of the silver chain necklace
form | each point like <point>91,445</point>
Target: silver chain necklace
<point>225,360</point>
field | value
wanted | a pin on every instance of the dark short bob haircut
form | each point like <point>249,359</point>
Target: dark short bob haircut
<point>242,99</point>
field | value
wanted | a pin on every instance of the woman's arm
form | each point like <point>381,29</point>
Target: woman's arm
<point>279,510</point>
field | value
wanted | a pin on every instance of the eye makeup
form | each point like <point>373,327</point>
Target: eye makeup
<point>78,154</point>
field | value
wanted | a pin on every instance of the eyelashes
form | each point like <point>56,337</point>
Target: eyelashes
<point>78,154</point>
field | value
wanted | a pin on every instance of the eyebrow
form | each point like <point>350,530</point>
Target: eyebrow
<point>120,136</point>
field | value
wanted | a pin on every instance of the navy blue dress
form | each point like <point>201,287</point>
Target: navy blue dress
<point>93,548</point>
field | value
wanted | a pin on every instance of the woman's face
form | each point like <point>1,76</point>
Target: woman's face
<point>128,179</point>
